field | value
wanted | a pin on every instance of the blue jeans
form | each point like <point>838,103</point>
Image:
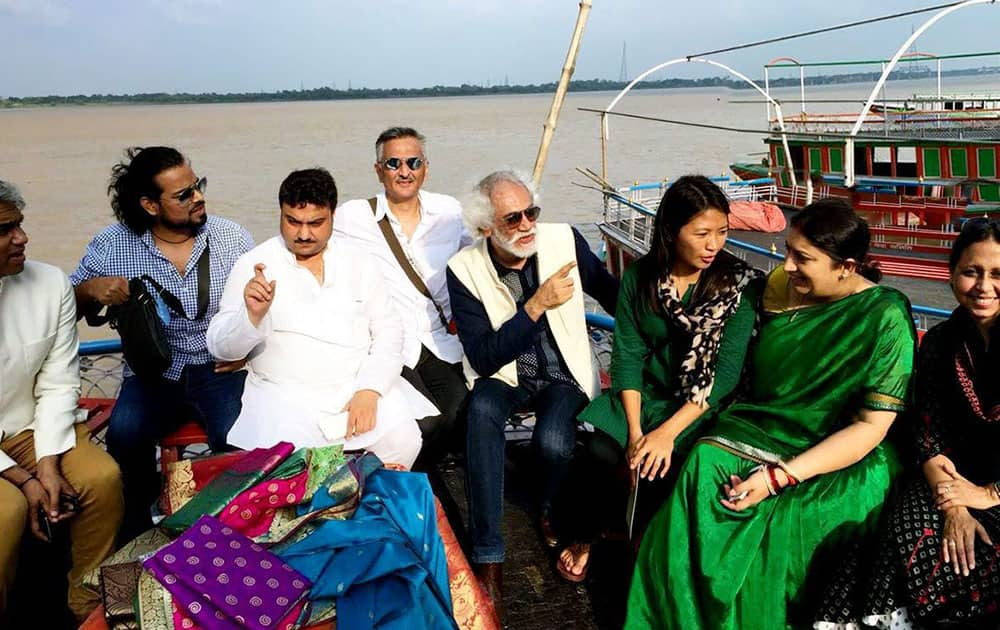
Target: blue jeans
<point>491,403</point>
<point>149,410</point>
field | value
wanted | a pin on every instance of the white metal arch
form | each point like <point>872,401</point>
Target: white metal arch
<point>849,142</point>
<point>777,107</point>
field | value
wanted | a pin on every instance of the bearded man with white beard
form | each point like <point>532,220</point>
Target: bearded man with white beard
<point>526,346</point>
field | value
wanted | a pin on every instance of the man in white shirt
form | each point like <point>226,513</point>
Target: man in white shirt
<point>50,472</point>
<point>322,340</point>
<point>428,229</point>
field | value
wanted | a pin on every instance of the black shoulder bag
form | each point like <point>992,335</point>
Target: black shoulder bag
<point>144,338</point>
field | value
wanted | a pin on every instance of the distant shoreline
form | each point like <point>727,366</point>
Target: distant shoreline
<point>331,94</point>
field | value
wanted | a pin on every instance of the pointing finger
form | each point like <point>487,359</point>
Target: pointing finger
<point>565,269</point>
<point>258,272</point>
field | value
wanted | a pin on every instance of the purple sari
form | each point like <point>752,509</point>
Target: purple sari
<point>222,580</point>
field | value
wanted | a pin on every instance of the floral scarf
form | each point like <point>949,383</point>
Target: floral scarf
<point>705,322</point>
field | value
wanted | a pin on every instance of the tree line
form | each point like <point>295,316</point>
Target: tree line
<point>330,93</point>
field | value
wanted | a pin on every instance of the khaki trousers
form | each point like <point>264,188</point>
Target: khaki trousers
<point>94,475</point>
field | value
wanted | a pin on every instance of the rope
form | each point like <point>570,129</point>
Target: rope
<point>828,29</point>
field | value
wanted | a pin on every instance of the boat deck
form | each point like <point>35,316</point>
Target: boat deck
<point>536,597</point>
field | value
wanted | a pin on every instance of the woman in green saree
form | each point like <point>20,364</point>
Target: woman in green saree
<point>685,315</point>
<point>790,475</point>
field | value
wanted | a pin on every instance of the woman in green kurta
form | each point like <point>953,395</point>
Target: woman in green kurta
<point>793,473</point>
<point>685,315</point>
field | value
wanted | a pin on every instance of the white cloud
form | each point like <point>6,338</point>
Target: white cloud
<point>47,11</point>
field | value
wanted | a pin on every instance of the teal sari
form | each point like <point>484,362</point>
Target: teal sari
<point>702,565</point>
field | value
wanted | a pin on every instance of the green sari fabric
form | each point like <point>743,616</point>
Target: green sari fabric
<point>702,565</point>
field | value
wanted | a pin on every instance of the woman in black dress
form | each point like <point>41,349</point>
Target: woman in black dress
<point>938,561</point>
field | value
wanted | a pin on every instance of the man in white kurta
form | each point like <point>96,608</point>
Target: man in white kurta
<point>315,321</point>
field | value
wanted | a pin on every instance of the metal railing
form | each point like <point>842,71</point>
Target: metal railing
<point>631,209</point>
<point>923,316</point>
<point>101,365</point>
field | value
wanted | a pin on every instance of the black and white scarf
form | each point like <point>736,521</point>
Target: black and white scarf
<point>705,322</point>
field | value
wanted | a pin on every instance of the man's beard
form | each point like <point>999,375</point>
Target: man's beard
<point>511,247</point>
<point>191,223</point>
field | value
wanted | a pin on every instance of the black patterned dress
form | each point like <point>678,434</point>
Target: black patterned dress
<point>957,414</point>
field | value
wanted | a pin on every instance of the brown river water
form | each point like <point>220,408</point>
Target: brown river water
<point>61,157</point>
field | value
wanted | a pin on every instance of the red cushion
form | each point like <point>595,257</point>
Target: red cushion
<point>188,433</point>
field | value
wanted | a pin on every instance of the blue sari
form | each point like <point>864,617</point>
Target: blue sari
<point>385,567</point>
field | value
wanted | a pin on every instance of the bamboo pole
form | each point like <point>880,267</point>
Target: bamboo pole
<point>549,128</point>
<point>604,147</point>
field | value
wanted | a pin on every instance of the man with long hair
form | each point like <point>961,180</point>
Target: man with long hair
<point>164,232</point>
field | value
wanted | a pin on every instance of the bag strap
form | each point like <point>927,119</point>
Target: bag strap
<point>397,250</point>
<point>204,285</point>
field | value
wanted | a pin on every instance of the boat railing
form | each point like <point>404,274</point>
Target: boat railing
<point>923,316</point>
<point>101,366</point>
<point>630,210</point>
<point>101,361</point>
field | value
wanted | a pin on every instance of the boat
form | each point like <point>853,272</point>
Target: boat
<point>625,226</point>
<point>915,167</point>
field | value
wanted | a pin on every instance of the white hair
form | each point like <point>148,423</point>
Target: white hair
<point>11,196</point>
<point>478,211</point>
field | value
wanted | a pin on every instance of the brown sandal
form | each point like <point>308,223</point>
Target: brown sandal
<point>576,550</point>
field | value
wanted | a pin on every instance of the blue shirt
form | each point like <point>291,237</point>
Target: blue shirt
<point>118,251</point>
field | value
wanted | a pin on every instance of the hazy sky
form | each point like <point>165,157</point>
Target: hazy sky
<point>127,46</point>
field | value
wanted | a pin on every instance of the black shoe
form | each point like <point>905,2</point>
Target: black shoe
<point>548,534</point>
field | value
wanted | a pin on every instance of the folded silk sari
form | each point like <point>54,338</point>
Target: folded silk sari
<point>221,580</point>
<point>245,472</point>
<point>118,588</point>
<point>386,566</point>
<point>187,477</point>
<point>272,501</point>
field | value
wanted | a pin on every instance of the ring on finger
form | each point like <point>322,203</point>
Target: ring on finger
<point>952,543</point>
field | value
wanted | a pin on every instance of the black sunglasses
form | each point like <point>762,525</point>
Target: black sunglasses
<point>413,163</point>
<point>185,196</point>
<point>514,218</point>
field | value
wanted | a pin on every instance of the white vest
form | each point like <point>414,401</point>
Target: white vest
<point>556,247</point>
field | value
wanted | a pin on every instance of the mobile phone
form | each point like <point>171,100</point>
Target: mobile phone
<point>69,503</point>
<point>43,523</point>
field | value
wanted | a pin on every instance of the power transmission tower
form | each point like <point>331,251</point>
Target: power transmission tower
<point>623,73</point>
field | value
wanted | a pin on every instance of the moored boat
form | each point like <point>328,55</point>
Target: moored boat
<point>915,167</point>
